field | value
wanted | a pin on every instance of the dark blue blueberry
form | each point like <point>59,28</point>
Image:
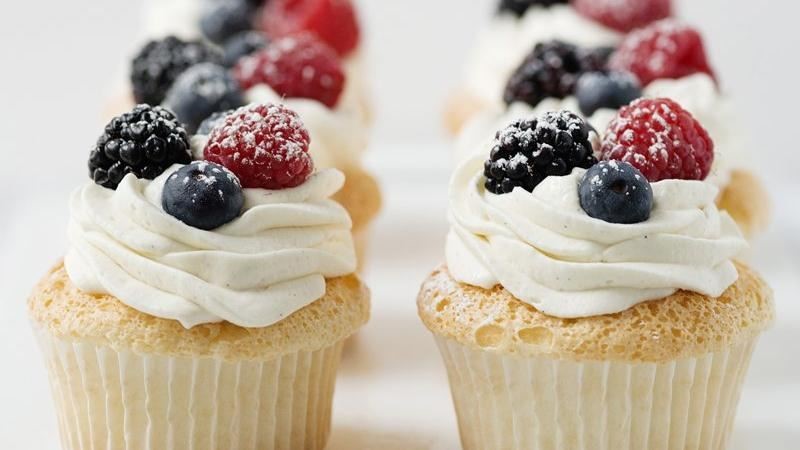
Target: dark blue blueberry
<point>203,195</point>
<point>597,90</point>
<point>241,45</point>
<point>616,192</point>
<point>224,18</point>
<point>200,92</point>
<point>212,121</point>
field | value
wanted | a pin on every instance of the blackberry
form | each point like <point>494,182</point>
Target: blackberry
<point>552,69</point>
<point>518,7</point>
<point>530,150</point>
<point>159,63</point>
<point>144,142</point>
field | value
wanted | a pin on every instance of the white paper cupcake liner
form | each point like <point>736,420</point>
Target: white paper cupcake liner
<point>113,400</point>
<point>506,402</point>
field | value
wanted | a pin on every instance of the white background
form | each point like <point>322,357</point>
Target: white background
<point>60,60</point>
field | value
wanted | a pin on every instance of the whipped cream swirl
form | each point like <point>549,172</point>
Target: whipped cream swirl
<point>505,43</point>
<point>697,93</point>
<point>268,263</point>
<point>546,251</point>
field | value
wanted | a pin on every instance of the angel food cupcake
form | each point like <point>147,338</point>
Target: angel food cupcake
<point>299,71</point>
<point>682,74</point>
<point>239,27</point>
<point>583,306</point>
<point>201,304</point>
<point>522,24</point>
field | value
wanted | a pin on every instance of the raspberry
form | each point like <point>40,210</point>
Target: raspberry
<point>296,66</point>
<point>624,15</point>
<point>661,139</point>
<point>266,146</point>
<point>530,150</point>
<point>334,21</point>
<point>665,49</point>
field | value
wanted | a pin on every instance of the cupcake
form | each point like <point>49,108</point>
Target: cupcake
<point>193,309</point>
<point>237,28</point>
<point>187,78</point>
<point>520,25</point>
<point>684,76</point>
<point>593,305</point>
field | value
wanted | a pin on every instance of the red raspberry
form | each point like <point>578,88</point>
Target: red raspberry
<point>665,49</point>
<point>661,139</point>
<point>334,21</point>
<point>624,15</point>
<point>266,146</point>
<point>298,66</point>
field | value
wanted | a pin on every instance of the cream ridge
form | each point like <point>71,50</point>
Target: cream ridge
<point>253,272</point>
<point>546,251</point>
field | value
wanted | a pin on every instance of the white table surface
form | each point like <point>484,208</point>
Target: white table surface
<point>392,391</point>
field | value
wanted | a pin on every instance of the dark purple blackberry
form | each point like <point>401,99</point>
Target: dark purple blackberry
<point>144,142</point>
<point>159,63</point>
<point>518,7</point>
<point>530,150</point>
<point>552,69</point>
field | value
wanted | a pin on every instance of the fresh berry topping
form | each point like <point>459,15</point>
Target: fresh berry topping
<point>519,7</point>
<point>212,121</point>
<point>552,70</point>
<point>144,142</point>
<point>613,90</point>
<point>665,49</point>
<point>297,66</point>
<point>203,195</point>
<point>661,139</point>
<point>333,21</point>
<point>201,91</point>
<point>616,192</point>
<point>530,150</point>
<point>159,63</point>
<point>222,19</point>
<point>624,15</point>
<point>266,146</point>
<point>241,45</point>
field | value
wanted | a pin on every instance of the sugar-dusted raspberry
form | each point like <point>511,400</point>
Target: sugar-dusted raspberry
<point>334,21</point>
<point>661,139</point>
<point>665,49</point>
<point>266,146</point>
<point>298,66</point>
<point>624,15</point>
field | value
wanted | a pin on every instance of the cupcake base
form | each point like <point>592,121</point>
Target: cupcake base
<point>109,399</point>
<point>510,402</point>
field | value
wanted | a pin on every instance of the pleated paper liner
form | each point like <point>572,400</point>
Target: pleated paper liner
<point>507,402</point>
<point>107,399</point>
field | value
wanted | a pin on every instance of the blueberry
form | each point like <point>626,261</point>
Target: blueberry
<point>616,192</point>
<point>596,90</point>
<point>241,45</point>
<point>203,195</point>
<point>224,18</point>
<point>200,92</point>
<point>212,121</point>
